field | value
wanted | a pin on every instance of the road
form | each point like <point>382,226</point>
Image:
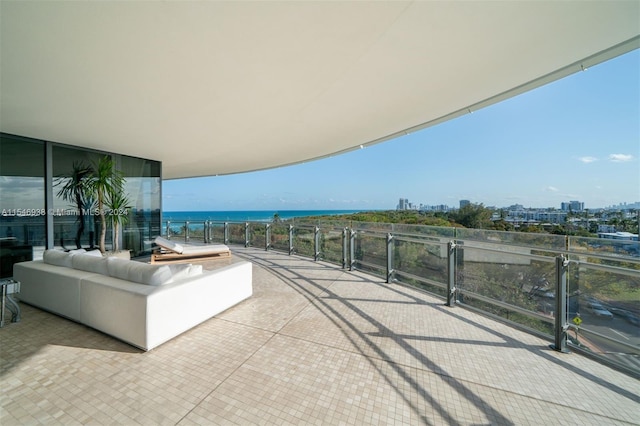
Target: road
<point>618,329</point>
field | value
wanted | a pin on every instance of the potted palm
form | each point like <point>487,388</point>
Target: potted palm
<point>74,190</point>
<point>104,182</point>
<point>118,205</point>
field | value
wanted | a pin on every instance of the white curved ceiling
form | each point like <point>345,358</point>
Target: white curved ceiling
<point>213,87</point>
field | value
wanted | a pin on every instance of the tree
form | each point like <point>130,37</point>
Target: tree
<point>473,216</point>
<point>74,190</point>
<point>104,181</point>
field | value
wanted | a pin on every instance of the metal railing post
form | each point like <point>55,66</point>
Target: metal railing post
<point>345,247</point>
<point>267,236</point>
<point>560,319</point>
<point>390,270</point>
<point>316,243</point>
<point>168,229</point>
<point>451,274</point>
<point>246,234</point>
<point>290,239</point>
<point>186,232</point>
<point>352,249</point>
<point>226,232</point>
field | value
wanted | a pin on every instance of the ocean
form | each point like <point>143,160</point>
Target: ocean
<point>245,215</point>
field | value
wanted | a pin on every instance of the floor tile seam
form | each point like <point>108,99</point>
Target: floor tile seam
<point>231,374</point>
<point>254,327</point>
<point>310,297</point>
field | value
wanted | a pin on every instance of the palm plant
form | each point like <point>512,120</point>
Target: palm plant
<point>104,182</point>
<point>74,190</point>
<point>118,204</point>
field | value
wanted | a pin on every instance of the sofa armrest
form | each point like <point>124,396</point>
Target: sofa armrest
<point>52,288</point>
<point>177,307</point>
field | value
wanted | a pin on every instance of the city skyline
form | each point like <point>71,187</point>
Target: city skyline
<point>574,139</point>
<point>564,206</point>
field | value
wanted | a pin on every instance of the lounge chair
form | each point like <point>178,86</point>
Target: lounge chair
<point>172,252</point>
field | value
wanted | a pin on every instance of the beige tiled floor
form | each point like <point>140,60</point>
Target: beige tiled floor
<point>314,345</point>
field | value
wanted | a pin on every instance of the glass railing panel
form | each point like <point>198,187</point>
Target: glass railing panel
<point>370,252</point>
<point>321,223</point>
<point>331,244</point>
<point>432,232</point>
<point>605,248</point>
<point>304,241</point>
<point>174,230</point>
<point>512,285</point>
<point>257,235</point>
<point>237,233</point>
<point>421,264</point>
<point>545,242</point>
<point>280,237</point>
<point>196,232</point>
<point>607,301</point>
<point>373,227</point>
<point>216,232</point>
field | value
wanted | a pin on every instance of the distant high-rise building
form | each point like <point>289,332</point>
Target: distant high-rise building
<point>403,204</point>
<point>574,206</point>
<point>464,203</point>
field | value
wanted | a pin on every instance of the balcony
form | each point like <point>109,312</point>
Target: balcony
<point>321,344</point>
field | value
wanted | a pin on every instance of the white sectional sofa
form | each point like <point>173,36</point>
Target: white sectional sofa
<point>141,304</point>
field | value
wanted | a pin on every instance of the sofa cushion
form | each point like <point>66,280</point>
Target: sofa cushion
<point>118,268</point>
<point>181,271</point>
<point>141,273</point>
<point>95,253</point>
<point>149,274</point>
<point>90,263</point>
<point>57,258</point>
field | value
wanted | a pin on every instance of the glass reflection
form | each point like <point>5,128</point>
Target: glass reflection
<point>22,209</point>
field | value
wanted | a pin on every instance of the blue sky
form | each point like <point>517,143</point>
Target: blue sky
<point>575,139</point>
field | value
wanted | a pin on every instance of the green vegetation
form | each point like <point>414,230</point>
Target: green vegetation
<point>410,217</point>
<point>475,216</point>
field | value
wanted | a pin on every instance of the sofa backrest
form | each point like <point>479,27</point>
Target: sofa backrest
<point>63,258</point>
<point>127,270</point>
<point>89,263</point>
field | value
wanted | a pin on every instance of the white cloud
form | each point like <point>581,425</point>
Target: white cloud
<point>620,158</point>
<point>551,188</point>
<point>588,159</point>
